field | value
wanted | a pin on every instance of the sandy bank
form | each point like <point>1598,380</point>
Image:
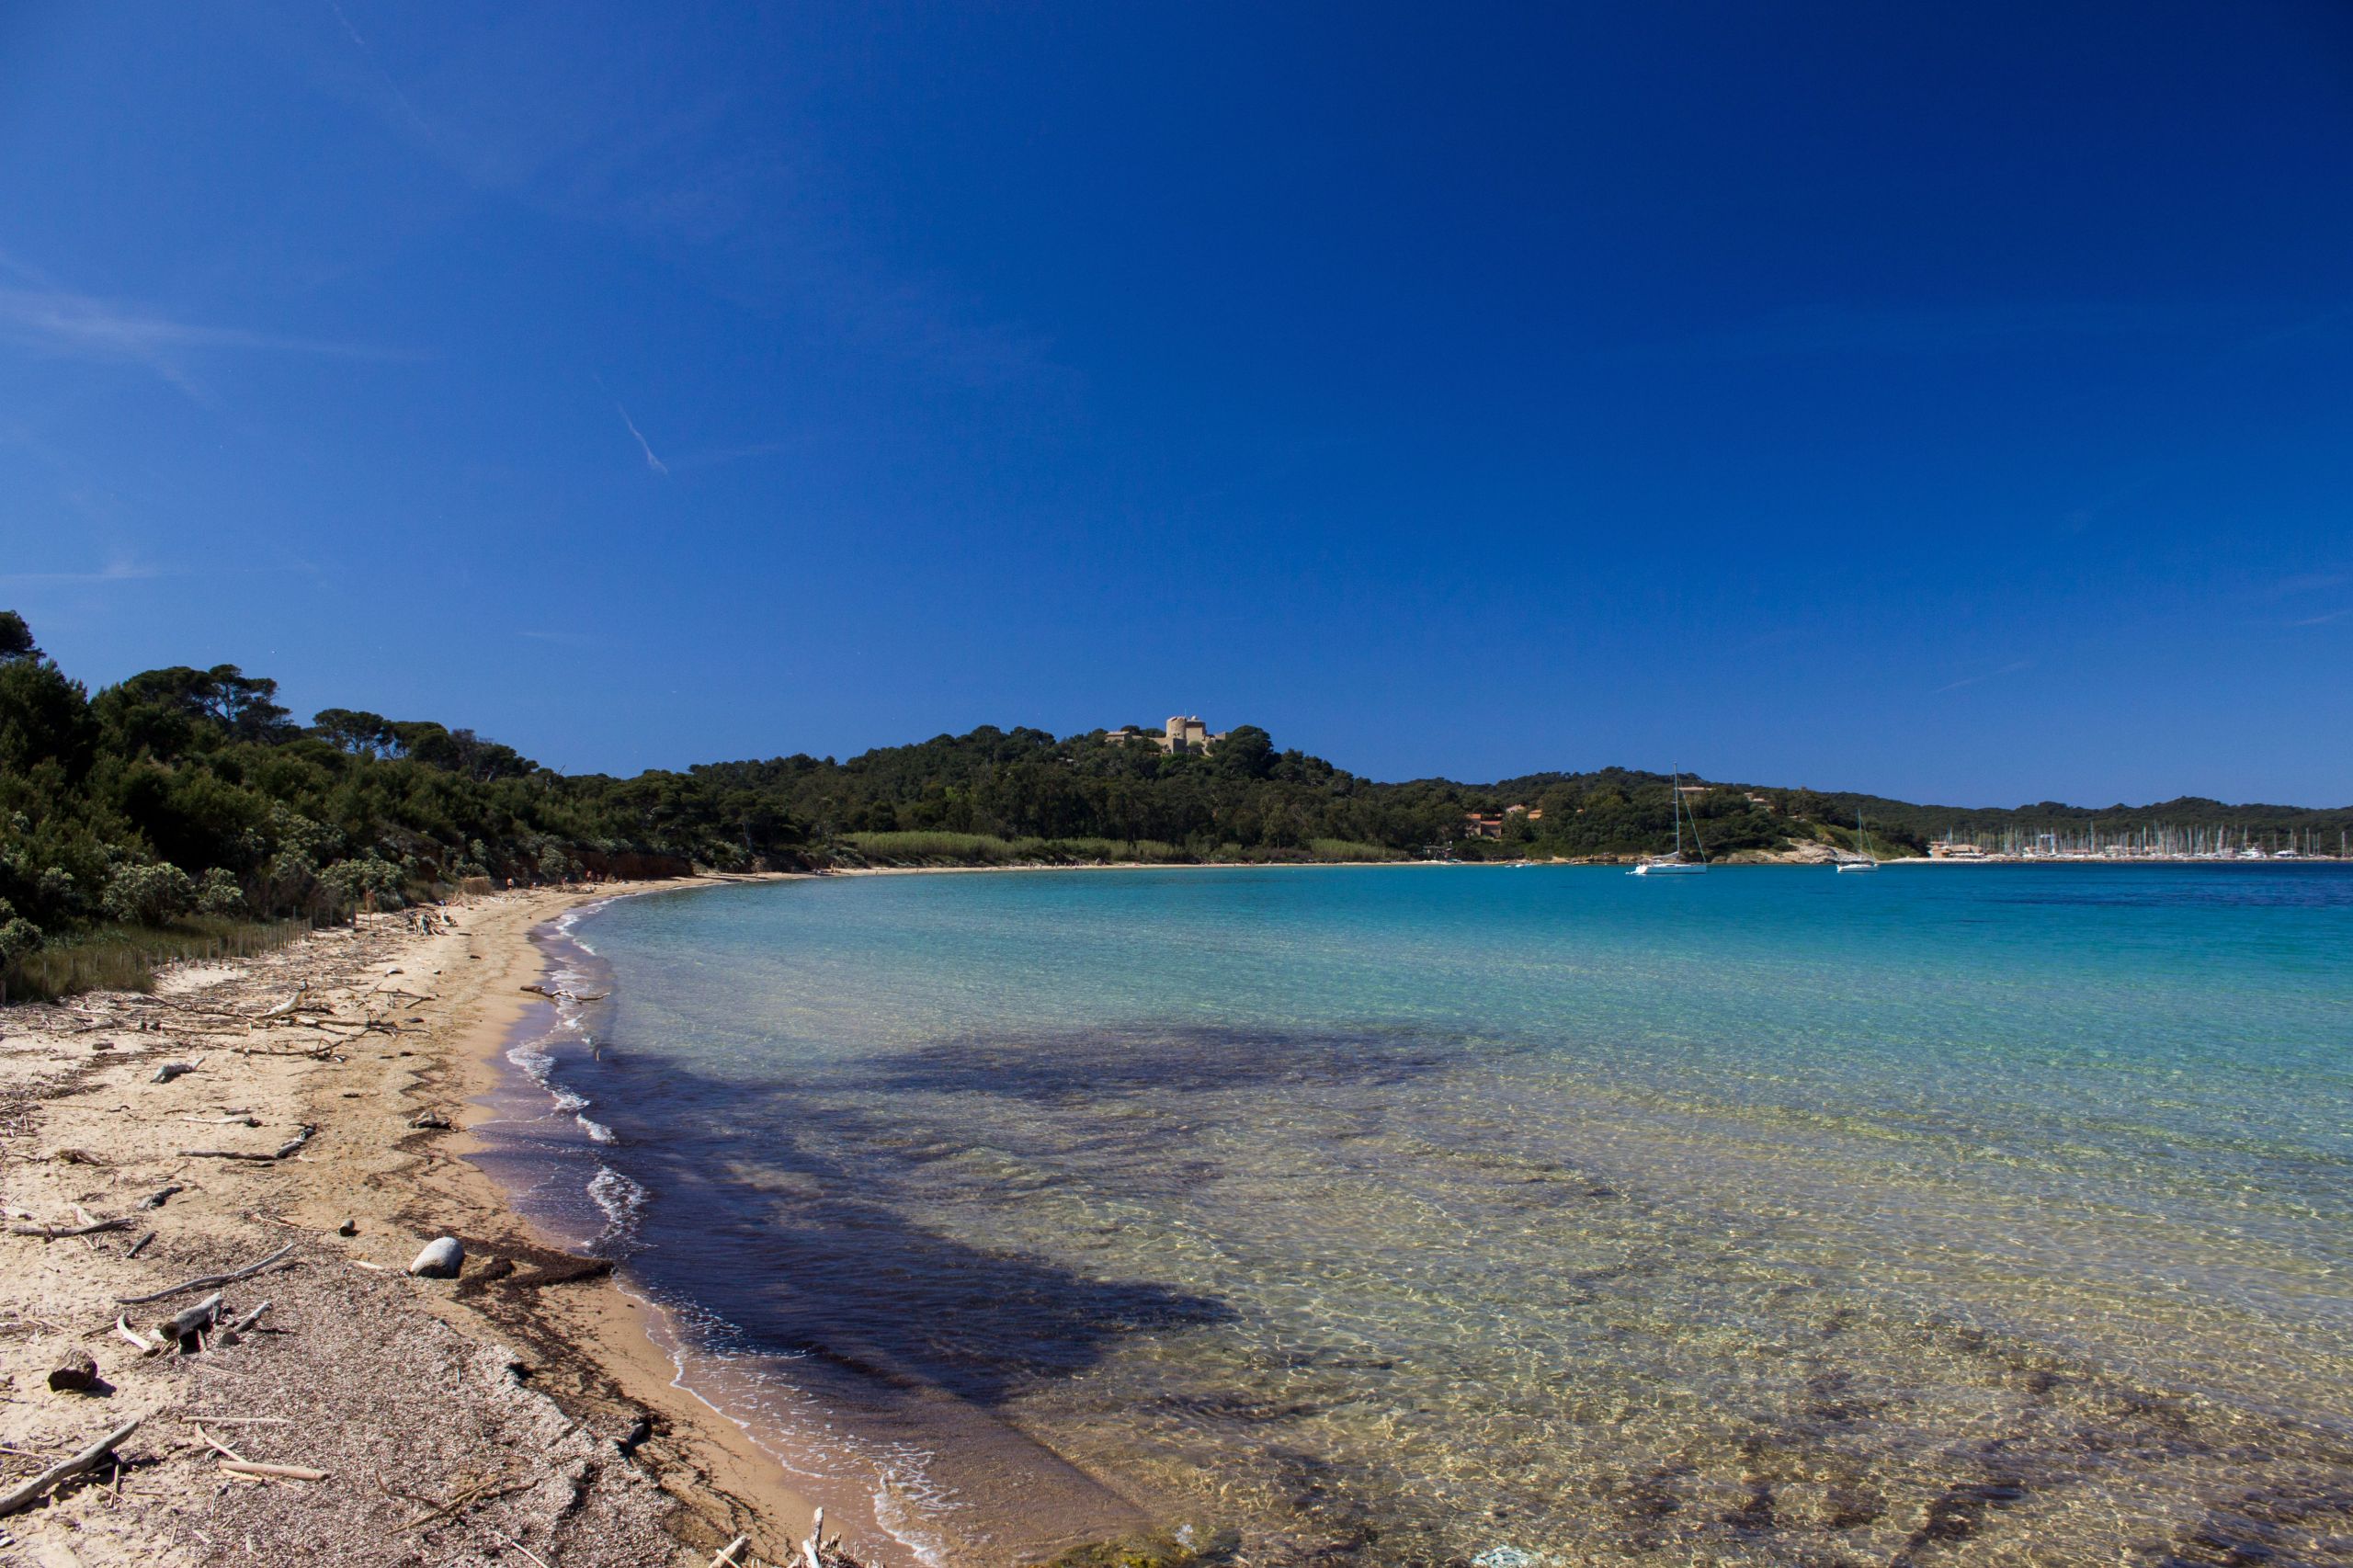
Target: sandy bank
<point>485,1420</point>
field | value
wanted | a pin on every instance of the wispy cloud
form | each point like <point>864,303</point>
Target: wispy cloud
<point>2013,667</point>
<point>113,572</point>
<point>566,639</point>
<point>81,326</point>
<point>656,464</point>
<point>2334,615</point>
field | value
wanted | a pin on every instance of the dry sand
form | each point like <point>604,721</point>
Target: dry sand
<point>481,1420</point>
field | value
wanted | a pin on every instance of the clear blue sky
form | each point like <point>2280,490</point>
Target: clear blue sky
<point>1955,402</point>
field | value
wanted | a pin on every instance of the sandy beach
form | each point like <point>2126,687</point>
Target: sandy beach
<point>516,1413</point>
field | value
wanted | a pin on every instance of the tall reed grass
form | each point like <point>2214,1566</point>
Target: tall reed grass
<point>125,958</point>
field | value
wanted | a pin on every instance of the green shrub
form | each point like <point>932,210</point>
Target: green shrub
<point>219,893</point>
<point>355,881</point>
<point>149,894</point>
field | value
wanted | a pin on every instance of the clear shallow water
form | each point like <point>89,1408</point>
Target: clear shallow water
<point>1982,1215</point>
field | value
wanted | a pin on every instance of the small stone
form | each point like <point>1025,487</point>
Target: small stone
<point>440,1260</point>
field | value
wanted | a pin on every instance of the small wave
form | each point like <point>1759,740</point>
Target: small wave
<point>621,1199</point>
<point>536,1063</point>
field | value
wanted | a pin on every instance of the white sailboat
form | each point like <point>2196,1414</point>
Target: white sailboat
<point>1866,863</point>
<point>1675,864</point>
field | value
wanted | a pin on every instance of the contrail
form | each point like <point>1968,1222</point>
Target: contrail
<point>656,464</point>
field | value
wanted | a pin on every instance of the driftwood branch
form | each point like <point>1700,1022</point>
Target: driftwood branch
<point>175,1330</point>
<point>209,1281</point>
<point>275,1472</point>
<point>290,1147</point>
<point>64,1469</point>
<point>52,1232</point>
<point>143,1345</point>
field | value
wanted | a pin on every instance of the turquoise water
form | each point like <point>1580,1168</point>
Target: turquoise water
<point>1430,1215</point>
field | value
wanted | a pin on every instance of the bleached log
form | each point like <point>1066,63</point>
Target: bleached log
<point>285,1008</point>
<point>168,1071</point>
<point>175,1329</point>
<point>138,1341</point>
<point>52,1232</point>
<point>726,1558</point>
<point>441,1259</point>
<point>209,1281</point>
<point>66,1470</point>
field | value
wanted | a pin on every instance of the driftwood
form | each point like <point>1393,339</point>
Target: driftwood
<point>209,1281</point>
<point>816,1539</point>
<point>171,1070</point>
<point>140,1342</point>
<point>161,1195</point>
<point>52,1232</point>
<point>430,1121</point>
<point>441,1259</point>
<point>285,1008</point>
<point>175,1330</point>
<point>275,1472</point>
<point>75,1373</point>
<point>563,995</point>
<point>237,1464</point>
<point>726,1558</point>
<point>484,1489</point>
<point>292,1146</point>
<point>140,1246</point>
<point>66,1470</point>
<point>250,1319</point>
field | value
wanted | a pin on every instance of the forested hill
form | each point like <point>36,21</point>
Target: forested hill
<point>189,794</point>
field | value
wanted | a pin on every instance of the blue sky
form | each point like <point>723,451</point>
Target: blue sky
<point>1947,402</point>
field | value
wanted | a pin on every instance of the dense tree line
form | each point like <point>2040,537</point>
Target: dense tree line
<point>183,791</point>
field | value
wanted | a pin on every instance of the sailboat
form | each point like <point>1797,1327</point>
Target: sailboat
<point>1675,864</point>
<point>1866,863</point>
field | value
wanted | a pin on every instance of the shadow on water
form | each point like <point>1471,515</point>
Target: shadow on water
<point>780,1209</point>
<point>1673,1387</point>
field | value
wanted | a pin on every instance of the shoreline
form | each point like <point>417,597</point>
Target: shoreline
<point>619,1332</point>
<point>341,1076</point>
